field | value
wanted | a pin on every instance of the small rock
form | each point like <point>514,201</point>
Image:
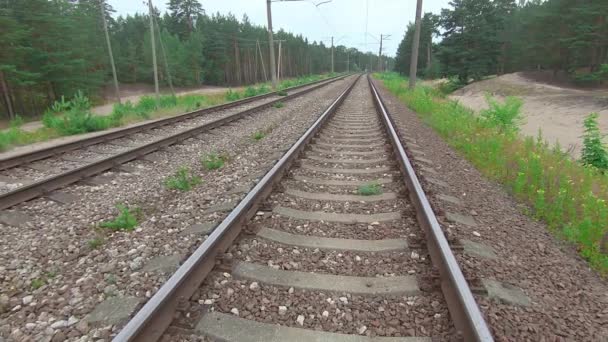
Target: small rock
<point>235,311</point>
<point>300,320</point>
<point>344,300</point>
<point>208,301</point>
<point>229,292</point>
<point>474,213</point>
<point>290,290</point>
<point>136,264</point>
<point>282,310</point>
<point>325,314</point>
<point>357,258</point>
<point>476,234</point>
<point>362,330</point>
<point>254,286</point>
<point>30,326</point>
<point>72,320</point>
<point>27,300</point>
<point>415,255</point>
<point>59,324</point>
<point>83,327</point>
<point>437,315</point>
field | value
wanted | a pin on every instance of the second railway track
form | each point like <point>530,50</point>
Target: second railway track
<point>44,171</point>
<point>322,254</point>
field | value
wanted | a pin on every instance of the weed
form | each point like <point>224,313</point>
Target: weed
<point>568,195</point>
<point>594,151</point>
<point>37,283</point>
<point>259,135</point>
<point>213,161</point>
<point>278,104</point>
<point>126,220</point>
<point>95,243</point>
<point>282,93</point>
<point>506,116</point>
<point>182,180</point>
<point>232,95</point>
<point>369,189</point>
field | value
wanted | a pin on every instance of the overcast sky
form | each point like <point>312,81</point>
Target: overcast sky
<point>343,19</point>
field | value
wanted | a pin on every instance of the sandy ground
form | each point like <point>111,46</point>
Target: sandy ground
<point>133,94</point>
<point>557,111</point>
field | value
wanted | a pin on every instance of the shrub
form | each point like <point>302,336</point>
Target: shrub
<point>278,104</point>
<point>182,180</point>
<point>250,92</point>
<point>126,220</point>
<point>95,243</point>
<point>594,152</point>
<point>506,116</point>
<point>75,121</point>
<point>369,189</point>
<point>282,93</point>
<point>146,104</point>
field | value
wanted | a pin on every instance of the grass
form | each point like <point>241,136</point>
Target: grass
<point>37,283</point>
<point>182,180</point>
<point>126,220</point>
<point>73,116</point>
<point>259,135</point>
<point>567,195</point>
<point>95,243</point>
<point>282,93</point>
<point>370,189</point>
<point>278,104</point>
<point>213,161</point>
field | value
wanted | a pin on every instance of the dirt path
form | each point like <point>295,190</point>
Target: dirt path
<point>556,111</point>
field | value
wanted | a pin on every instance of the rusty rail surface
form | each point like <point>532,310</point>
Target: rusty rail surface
<point>28,157</point>
<point>156,315</point>
<point>47,185</point>
<point>462,305</point>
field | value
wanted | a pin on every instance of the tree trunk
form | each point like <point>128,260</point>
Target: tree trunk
<point>7,98</point>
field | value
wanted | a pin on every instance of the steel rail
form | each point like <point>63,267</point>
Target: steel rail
<point>156,315</point>
<point>28,157</point>
<point>462,305</point>
<point>44,186</point>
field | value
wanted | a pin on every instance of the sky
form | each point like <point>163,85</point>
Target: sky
<point>343,19</point>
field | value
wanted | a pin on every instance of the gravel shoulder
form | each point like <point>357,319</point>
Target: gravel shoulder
<point>58,267</point>
<point>568,301</point>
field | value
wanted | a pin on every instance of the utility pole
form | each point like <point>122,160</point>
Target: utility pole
<point>380,65</point>
<point>279,66</point>
<point>332,54</point>
<point>262,60</point>
<point>105,28</point>
<point>162,50</point>
<point>347,61</point>
<point>415,44</point>
<point>154,52</point>
<point>272,67</point>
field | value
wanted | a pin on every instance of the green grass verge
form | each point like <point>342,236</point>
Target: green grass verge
<point>370,189</point>
<point>568,196</point>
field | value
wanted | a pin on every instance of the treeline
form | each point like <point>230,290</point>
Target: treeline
<point>485,37</point>
<point>55,48</point>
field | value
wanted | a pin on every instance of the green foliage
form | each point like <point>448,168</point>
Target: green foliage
<point>369,189</point>
<point>594,151</point>
<point>569,196</point>
<point>126,220</point>
<point>449,86</point>
<point>213,161</point>
<point>282,93</point>
<point>37,283</point>
<point>259,135</point>
<point>278,104</point>
<point>182,180</point>
<point>232,95</point>
<point>506,116</point>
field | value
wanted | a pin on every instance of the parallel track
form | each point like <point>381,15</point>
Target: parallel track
<point>49,184</point>
<point>327,133</point>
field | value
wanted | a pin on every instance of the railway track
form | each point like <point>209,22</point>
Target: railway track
<point>43,172</point>
<point>318,250</point>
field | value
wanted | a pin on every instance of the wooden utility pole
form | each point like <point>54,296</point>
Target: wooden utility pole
<point>279,66</point>
<point>105,29</point>
<point>347,61</point>
<point>415,45</point>
<point>262,60</point>
<point>273,74</point>
<point>332,54</point>
<point>162,50</point>
<point>156,91</point>
<point>380,56</point>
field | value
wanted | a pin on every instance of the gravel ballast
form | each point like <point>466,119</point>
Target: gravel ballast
<point>568,301</point>
<point>58,267</point>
